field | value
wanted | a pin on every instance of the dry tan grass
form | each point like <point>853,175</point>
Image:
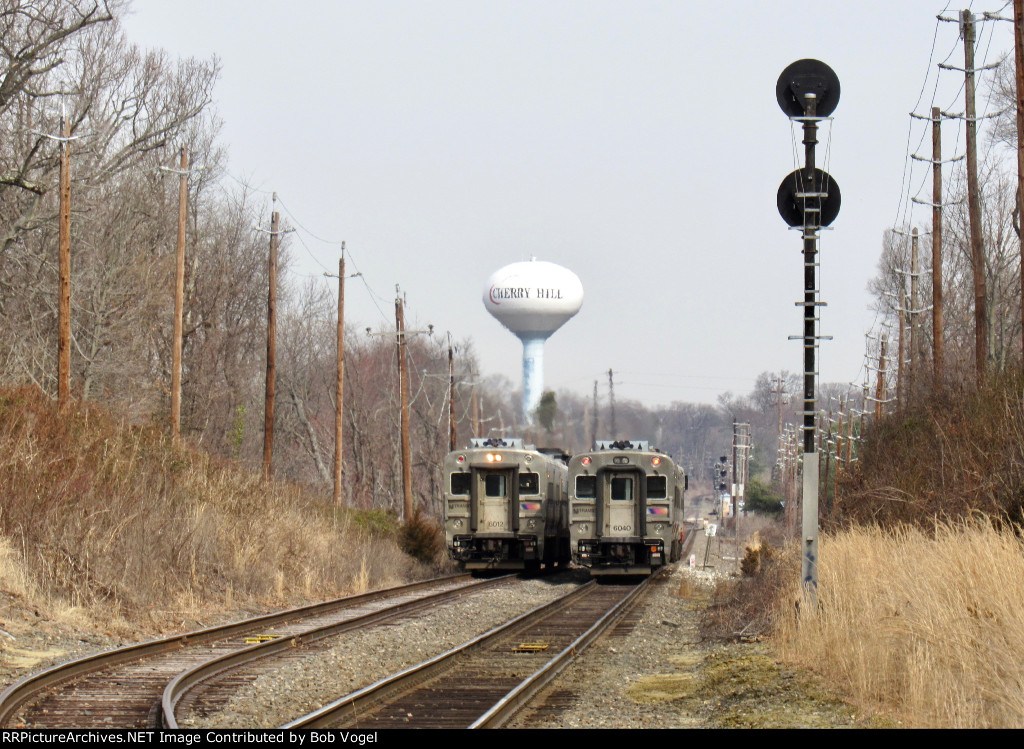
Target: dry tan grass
<point>113,518</point>
<point>13,576</point>
<point>928,627</point>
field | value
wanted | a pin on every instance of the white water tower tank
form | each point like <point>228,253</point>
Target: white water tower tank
<point>533,299</point>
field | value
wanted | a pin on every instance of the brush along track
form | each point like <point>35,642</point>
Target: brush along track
<point>122,688</point>
<point>483,682</point>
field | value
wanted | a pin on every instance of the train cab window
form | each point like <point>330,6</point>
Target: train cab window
<point>657,487</point>
<point>529,483</point>
<point>461,483</point>
<point>622,488</point>
<point>494,485</point>
<point>586,487</point>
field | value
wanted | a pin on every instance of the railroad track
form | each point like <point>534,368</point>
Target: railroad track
<point>202,691</point>
<point>123,688</point>
<point>483,682</point>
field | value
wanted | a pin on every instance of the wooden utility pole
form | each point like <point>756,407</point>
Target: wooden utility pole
<point>840,444</point>
<point>938,353</point>
<point>826,456</point>
<point>475,404</point>
<point>901,380</point>
<point>880,387</point>
<point>779,392</point>
<point>913,313</point>
<point>974,204</point>
<point>403,385</point>
<point>611,402</point>
<point>451,396</point>
<point>179,298</point>
<point>64,250</point>
<point>1018,46</point>
<point>340,385</point>
<point>268,420</point>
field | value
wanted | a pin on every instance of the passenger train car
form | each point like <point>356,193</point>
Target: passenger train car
<point>506,506</point>
<point>626,501</point>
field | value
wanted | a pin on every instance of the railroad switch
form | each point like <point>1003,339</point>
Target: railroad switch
<point>256,639</point>
<point>530,647</point>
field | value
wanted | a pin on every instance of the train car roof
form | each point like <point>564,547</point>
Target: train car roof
<point>639,445</point>
<point>512,443</point>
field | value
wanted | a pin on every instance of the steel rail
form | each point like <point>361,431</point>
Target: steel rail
<point>15,695</point>
<point>188,680</point>
<point>381,692</point>
<point>523,694</point>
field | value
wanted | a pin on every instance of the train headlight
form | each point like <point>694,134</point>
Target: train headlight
<point>586,460</point>
<point>584,527</point>
<point>532,524</point>
<point>458,523</point>
<point>493,458</point>
<point>655,461</point>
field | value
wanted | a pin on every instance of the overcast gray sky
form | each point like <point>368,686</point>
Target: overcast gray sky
<point>638,143</point>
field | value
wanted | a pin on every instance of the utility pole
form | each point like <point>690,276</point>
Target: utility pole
<point>64,248</point>
<point>179,297</point>
<point>913,312</point>
<point>403,393</point>
<point>475,405</point>
<point>735,472</point>
<point>1018,46</point>
<point>938,349</point>
<point>936,204</point>
<point>779,392</point>
<point>339,401</point>
<point>403,387</point>
<point>880,387</point>
<point>974,203</point>
<point>268,419</point>
<point>901,380</point>
<point>451,396</point>
<point>594,420</point>
<point>611,400</point>
<point>340,385</point>
<point>826,439</point>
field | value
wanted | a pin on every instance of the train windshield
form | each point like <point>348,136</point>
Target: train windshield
<point>586,487</point>
<point>494,485</point>
<point>460,483</point>
<point>657,487</point>
<point>529,483</point>
<point>622,488</point>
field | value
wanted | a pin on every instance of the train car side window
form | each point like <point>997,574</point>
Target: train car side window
<point>622,488</point>
<point>586,487</point>
<point>461,483</point>
<point>494,485</point>
<point>657,487</point>
<point>529,483</point>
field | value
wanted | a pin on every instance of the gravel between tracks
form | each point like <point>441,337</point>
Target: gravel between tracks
<point>658,674</point>
<point>363,657</point>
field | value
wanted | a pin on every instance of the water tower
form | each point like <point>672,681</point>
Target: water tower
<point>533,299</point>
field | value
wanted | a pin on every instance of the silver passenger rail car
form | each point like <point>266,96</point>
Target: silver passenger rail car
<point>506,506</point>
<point>626,508</point>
